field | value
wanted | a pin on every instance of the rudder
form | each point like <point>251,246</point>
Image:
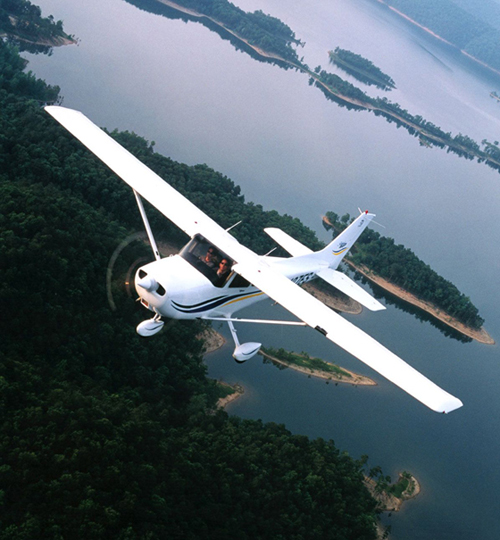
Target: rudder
<point>336,250</point>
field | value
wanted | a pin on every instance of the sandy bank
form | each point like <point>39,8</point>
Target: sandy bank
<point>479,335</point>
<point>238,392</point>
<point>355,379</point>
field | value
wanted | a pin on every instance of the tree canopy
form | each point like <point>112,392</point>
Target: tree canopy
<point>104,434</point>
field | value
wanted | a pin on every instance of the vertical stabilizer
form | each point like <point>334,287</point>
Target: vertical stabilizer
<point>338,248</point>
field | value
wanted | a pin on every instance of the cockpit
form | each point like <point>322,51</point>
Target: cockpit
<point>212,263</point>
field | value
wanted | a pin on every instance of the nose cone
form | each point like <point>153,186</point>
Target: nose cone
<point>147,283</point>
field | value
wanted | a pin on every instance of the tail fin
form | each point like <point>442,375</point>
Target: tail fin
<point>335,251</point>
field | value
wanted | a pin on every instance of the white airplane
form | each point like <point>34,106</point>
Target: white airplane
<point>196,284</point>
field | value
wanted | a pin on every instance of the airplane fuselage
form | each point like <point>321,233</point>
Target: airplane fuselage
<point>181,291</point>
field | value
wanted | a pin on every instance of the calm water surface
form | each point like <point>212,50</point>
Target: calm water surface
<point>289,148</point>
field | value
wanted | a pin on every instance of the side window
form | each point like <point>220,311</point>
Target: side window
<point>239,282</point>
<point>208,260</point>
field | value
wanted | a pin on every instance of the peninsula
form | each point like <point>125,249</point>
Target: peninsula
<point>276,47</point>
<point>390,497</point>
<point>405,276</point>
<point>23,23</point>
<point>315,367</point>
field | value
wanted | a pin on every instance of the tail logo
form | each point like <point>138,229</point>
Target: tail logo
<point>341,249</point>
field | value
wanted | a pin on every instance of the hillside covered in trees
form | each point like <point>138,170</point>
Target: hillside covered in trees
<point>106,435</point>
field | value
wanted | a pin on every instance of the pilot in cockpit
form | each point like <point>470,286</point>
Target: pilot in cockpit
<point>223,272</point>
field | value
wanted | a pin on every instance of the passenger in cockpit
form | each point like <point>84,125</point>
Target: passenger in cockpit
<point>210,258</point>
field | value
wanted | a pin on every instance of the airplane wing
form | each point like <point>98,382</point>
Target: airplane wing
<point>144,181</point>
<point>349,337</point>
<point>192,220</point>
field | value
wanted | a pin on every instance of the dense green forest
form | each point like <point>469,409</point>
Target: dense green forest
<point>401,266</point>
<point>361,68</point>
<point>446,18</point>
<point>106,435</point>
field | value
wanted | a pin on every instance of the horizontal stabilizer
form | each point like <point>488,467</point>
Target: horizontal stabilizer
<point>294,247</point>
<point>348,286</point>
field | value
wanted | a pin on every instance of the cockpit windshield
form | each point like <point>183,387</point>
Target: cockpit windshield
<point>208,260</point>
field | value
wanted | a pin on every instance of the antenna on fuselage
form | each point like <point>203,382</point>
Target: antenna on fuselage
<point>149,232</point>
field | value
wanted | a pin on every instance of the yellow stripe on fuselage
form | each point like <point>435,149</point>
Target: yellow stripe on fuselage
<point>243,298</point>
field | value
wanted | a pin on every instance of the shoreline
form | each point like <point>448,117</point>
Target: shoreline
<point>238,392</point>
<point>55,41</point>
<point>480,156</point>
<point>199,15</point>
<point>356,380</point>
<point>387,501</point>
<point>481,335</point>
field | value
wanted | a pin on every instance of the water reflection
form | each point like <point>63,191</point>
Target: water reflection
<point>26,46</point>
<point>393,300</point>
<point>157,8</point>
<point>429,134</point>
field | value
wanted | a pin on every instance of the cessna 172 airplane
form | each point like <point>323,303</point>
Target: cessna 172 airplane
<point>215,276</point>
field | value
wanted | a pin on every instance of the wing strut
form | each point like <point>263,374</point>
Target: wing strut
<point>152,241</point>
<point>258,321</point>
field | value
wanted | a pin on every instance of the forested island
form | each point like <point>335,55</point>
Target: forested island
<point>334,87</point>
<point>314,366</point>
<point>361,68</point>
<point>376,255</point>
<point>472,26</point>
<point>105,435</point>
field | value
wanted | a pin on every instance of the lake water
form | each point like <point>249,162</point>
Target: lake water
<point>290,149</point>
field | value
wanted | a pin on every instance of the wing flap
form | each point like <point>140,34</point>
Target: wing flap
<point>349,337</point>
